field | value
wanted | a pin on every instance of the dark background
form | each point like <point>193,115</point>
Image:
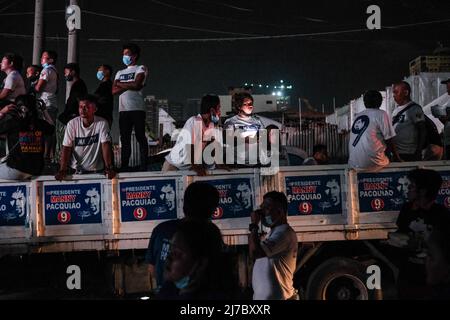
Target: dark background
<point>319,67</point>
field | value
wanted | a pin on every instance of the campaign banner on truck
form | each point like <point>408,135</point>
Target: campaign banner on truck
<point>444,193</point>
<point>236,198</point>
<point>13,205</point>
<point>386,191</point>
<point>314,195</point>
<point>72,204</point>
<point>148,200</point>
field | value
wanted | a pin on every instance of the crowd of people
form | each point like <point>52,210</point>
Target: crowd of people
<point>187,257</point>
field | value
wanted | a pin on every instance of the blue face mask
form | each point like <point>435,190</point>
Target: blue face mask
<point>182,283</point>
<point>214,118</point>
<point>44,65</point>
<point>126,60</point>
<point>100,75</point>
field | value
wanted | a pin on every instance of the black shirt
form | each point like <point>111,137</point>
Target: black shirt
<point>25,143</point>
<point>77,91</point>
<point>431,217</point>
<point>105,100</point>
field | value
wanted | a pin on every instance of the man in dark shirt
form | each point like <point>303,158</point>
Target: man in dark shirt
<point>416,220</point>
<point>105,98</point>
<point>421,211</point>
<point>159,245</point>
<point>77,90</point>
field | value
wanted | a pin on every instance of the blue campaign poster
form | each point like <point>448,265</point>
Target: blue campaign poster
<point>385,191</point>
<point>444,193</point>
<point>236,198</point>
<point>71,204</point>
<point>148,200</point>
<point>314,195</point>
<point>13,206</point>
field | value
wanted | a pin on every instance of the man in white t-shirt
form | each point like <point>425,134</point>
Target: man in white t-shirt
<point>276,254</point>
<point>128,84</point>
<point>13,85</point>
<point>192,135</point>
<point>371,133</point>
<point>408,120</point>
<point>46,89</point>
<point>87,143</point>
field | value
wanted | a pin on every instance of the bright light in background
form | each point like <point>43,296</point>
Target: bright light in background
<point>282,87</point>
<point>279,93</point>
<point>281,81</point>
<point>289,87</point>
<point>145,298</point>
<point>260,85</point>
<point>274,94</point>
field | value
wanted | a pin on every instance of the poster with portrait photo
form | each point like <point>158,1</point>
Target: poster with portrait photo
<point>314,195</point>
<point>13,205</point>
<point>382,191</point>
<point>148,200</point>
<point>72,204</point>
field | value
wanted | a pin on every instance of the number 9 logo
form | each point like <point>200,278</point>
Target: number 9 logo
<point>218,213</point>
<point>140,214</point>
<point>447,202</point>
<point>64,217</point>
<point>305,208</point>
<point>377,204</point>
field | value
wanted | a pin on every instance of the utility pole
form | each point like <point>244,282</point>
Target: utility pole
<point>300,112</point>
<point>73,22</point>
<point>38,31</point>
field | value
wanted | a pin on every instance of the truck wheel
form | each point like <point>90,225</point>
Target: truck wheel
<point>340,279</point>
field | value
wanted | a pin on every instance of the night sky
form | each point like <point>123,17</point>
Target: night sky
<point>319,67</point>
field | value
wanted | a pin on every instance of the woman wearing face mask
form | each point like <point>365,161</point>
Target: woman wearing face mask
<point>209,116</point>
<point>248,126</point>
<point>197,267</point>
<point>104,94</point>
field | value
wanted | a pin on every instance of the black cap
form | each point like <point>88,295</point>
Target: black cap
<point>445,81</point>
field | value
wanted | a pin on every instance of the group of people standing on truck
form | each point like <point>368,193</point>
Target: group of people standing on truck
<point>410,135</point>
<point>29,113</point>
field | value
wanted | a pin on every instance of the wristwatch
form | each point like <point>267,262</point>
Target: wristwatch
<point>253,226</point>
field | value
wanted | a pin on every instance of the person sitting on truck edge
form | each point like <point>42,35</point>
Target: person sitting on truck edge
<point>276,254</point>
<point>320,156</point>
<point>87,143</point>
<point>209,116</point>
<point>200,201</point>
<point>408,120</point>
<point>247,126</point>
<point>416,219</point>
<point>371,133</point>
